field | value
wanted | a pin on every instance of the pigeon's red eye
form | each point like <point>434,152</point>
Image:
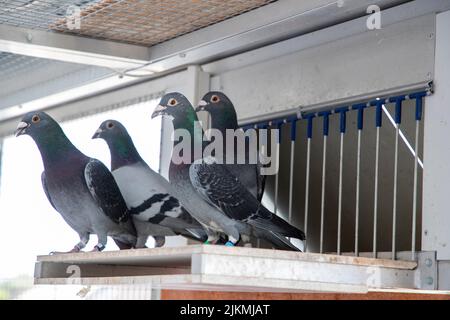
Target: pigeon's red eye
<point>110,125</point>
<point>35,119</point>
<point>173,102</point>
<point>215,99</point>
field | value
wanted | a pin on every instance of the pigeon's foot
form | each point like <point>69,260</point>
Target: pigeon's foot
<point>74,250</point>
<point>207,242</point>
<point>229,244</point>
<point>98,248</point>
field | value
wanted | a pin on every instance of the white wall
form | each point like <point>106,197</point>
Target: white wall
<point>436,188</point>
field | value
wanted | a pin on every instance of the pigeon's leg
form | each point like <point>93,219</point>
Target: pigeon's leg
<point>233,235</point>
<point>159,241</point>
<point>213,237</point>
<point>84,239</point>
<point>141,241</point>
<point>102,240</point>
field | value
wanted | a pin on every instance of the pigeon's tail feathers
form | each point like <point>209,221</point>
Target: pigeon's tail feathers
<point>124,245</point>
<point>278,241</point>
<point>194,234</point>
<point>267,220</point>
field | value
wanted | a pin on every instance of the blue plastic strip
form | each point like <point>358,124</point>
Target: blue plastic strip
<point>398,107</point>
<point>378,104</point>
<point>326,121</point>
<point>419,103</point>
<point>309,128</point>
<point>279,127</point>
<point>293,129</point>
<point>343,119</point>
<point>360,107</point>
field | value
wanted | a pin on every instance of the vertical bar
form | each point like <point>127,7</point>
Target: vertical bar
<point>325,115</point>
<point>414,217</point>
<point>375,193</point>
<point>358,167</point>
<point>378,122</point>
<point>418,97</point>
<point>308,159</point>
<point>398,115</point>
<point>342,112</point>
<point>291,172</point>
<point>275,205</point>
<point>360,107</point>
<point>394,204</point>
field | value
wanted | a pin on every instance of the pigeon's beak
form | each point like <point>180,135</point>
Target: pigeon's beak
<point>201,106</point>
<point>21,128</point>
<point>159,111</point>
<point>97,133</point>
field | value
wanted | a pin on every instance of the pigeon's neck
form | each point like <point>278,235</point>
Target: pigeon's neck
<point>225,120</point>
<point>56,148</point>
<point>192,126</point>
<point>123,151</point>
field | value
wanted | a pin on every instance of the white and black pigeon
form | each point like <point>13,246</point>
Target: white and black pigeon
<point>80,188</point>
<point>148,195</point>
<point>223,117</point>
<point>213,195</point>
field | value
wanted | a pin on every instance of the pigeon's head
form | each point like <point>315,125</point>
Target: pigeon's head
<point>35,123</point>
<point>109,130</point>
<point>174,105</point>
<point>215,102</point>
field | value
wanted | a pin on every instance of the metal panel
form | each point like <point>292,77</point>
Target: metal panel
<point>395,56</point>
<point>436,217</point>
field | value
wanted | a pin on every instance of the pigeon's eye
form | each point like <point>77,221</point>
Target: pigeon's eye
<point>215,99</point>
<point>173,102</point>
<point>35,119</point>
<point>110,125</point>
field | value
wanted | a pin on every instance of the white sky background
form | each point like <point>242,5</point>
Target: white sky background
<point>29,226</point>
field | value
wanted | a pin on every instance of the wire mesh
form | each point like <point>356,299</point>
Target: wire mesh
<point>142,22</point>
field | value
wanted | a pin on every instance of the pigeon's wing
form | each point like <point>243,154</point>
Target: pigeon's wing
<point>105,191</point>
<point>223,190</point>
<point>219,187</point>
<point>260,181</point>
<point>44,186</point>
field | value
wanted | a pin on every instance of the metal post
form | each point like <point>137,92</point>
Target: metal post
<point>291,171</point>
<point>308,159</point>
<point>418,97</point>
<point>325,116</point>
<point>378,123</point>
<point>360,107</point>
<point>398,115</point>
<point>342,112</point>
<point>277,175</point>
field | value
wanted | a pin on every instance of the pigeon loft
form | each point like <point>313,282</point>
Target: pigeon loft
<point>236,269</point>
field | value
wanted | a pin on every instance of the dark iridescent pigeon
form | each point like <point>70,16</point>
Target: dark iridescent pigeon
<point>154,210</point>
<point>223,117</point>
<point>80,188</point>
<point>213,195</point>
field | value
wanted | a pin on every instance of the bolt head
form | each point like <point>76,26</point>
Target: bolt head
<point>428,262</point>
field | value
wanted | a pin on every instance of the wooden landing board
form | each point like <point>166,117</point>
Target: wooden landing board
<point>220,268</point>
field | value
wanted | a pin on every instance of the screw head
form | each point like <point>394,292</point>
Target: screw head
<point>428,262</point>
<point>29,37</point>
<point>429,281</point>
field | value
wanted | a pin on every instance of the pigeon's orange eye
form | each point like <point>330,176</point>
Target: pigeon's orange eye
<point>35,119</point>
<point>215,99</point>
<point>110,125</point>
<point>173,102</point>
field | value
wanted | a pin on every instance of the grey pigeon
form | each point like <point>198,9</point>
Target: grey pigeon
<point>223,117</point>
<point>80,188</point>
<point>154,210</point>
<point>196,188</point>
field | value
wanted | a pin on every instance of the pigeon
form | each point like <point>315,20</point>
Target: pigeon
<point>148,195</point>
<point>80,188</point>
<point>216,198</point>
<point>223,117</point>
